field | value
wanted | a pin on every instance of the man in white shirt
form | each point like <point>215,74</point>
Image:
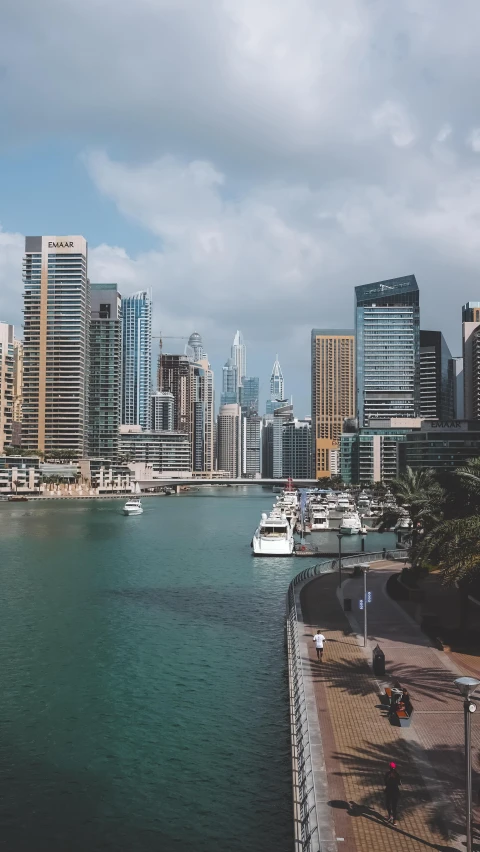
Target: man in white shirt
<point>319,640</point>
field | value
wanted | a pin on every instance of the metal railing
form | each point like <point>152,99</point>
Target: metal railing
<point>306,823</point>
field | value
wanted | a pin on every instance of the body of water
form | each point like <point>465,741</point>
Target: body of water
<point>143,677</point>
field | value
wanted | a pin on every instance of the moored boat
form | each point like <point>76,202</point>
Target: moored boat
<point>273,536</point>
<point>351,523</point>
<point>133,507</point>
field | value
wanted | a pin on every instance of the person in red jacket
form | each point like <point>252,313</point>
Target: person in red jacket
<point>392,791</point>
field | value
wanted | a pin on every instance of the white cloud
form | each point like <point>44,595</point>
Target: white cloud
<point>393,119</point>
<point>473,140</point>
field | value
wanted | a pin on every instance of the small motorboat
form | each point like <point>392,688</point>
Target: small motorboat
<point>133,507</point>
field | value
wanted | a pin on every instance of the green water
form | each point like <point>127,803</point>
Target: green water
<point>143,678</point>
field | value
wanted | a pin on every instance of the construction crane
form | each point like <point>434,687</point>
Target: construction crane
<point>160,337</point>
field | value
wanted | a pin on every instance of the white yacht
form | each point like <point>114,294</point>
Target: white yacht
<point>343,503</point>
<point>133,507</point>
<point>331,503</point>
<point>363,501</point>
<point>318,518</point>
<point>273,537</point>
<point>351,523</point>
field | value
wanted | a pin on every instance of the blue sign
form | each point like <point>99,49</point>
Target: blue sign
<point>360,603</point>
<point>369,597</point>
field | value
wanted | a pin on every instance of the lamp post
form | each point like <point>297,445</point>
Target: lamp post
<point>467,686</point>
<point>339,536</point>
<point>365,601</point>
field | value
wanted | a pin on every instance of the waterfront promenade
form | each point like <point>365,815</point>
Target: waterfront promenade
<point>358,739</point>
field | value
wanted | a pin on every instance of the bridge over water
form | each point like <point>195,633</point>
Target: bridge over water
<point>145,484</point>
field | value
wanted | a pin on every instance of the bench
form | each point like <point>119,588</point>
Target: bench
<point>399,715</point>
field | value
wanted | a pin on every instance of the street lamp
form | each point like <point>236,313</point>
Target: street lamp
<point>365,601</point>
<point>339,536</point>
<point>466,687</point>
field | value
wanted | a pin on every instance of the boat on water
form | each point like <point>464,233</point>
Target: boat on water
<point>17,498</point>
<point>319,519</point>
<point>343,503</point>
<point>273,536</point>
<point>351,524</point>
<point>133,507</point>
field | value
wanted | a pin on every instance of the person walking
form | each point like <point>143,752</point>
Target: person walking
<point>319,640</point>
<point>392,791</point>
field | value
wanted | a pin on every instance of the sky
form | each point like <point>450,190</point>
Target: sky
<point>250,161</point>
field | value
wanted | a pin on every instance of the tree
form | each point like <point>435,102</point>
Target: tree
<point>423,496</point>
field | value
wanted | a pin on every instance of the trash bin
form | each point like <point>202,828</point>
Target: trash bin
<point>378,661</point>
<point>347,604</point>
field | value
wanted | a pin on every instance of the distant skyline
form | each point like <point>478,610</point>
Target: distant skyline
<point>261,161</point>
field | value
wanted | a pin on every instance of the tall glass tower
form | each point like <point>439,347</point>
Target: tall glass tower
<point>136,359</point>
<point>105,372</point>
<point>229,383</point>
<point>239,357</point>
<point>387,331</point>
<point>276,381</point>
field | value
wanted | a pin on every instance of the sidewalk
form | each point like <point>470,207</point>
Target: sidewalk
<point>358,739</point>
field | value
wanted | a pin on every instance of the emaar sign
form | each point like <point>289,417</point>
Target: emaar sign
<point>445,425</point>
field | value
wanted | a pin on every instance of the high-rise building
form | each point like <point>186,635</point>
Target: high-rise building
<point>276,381</point>
<point>105,373</point>
<point>239,357</point>
<point>174,376</point>
<point>457,369</point>
<point>162,414</point>
<point>6,384</point>
<point>207,396</point>
<point>137,359</point>
<point>436,377</point>
<point>333,393</point>
<point>195,347</point>
<point>56,338</point>
<point>297,449</point>
<point>387,330</point>
<point>17,381</point>
<point>230,388</point>
<point>281,417</point>
<point>229,439</point>
<point>371,454</point>
<point>163,451</point>
<point>470,333</point>
<point>249,393</point>
<point>252,426</point>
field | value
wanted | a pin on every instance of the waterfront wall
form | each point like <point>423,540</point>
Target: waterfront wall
<point>313,824</point>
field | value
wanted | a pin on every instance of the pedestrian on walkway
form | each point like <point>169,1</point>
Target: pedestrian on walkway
<point>319,640</point>
<point>392,791</point>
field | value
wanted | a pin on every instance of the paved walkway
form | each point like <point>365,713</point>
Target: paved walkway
<point>358,739</point>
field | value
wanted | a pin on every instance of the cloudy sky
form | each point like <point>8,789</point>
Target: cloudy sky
<point>249,160</point>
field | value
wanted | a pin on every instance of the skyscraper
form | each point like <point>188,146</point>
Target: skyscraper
<point>436,377</point>
<point>276,381</point>
<point>252,426</point>
<point>281,417</point>
<point>17,393</point>
<point>105,373</point>
<point>6,384</point>
<point>208,400</point>
<point>195,345</point>
<point>387,329</point>
<point>239,357</point>
<point>230,392</point>
<point>163,407</point>
<point>471,377</point>
<point>333,394</point>
<point>137,359</point>
<point>56,313</point>
<point>174,376</point>
<point>249,393</point>
<point>229,442</point>
<point>297,449</point>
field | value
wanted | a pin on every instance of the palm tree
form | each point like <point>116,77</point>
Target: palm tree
<point>421,494</point>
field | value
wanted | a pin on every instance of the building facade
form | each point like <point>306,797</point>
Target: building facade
<point>441,445</point>
<point>239,357</point>
<point>297,449</point>
<point>229,439</point>
<point>281,416</point>
<point>137,359</point>
<point>230,390</point>
<point>371,454</point>
<point>249,395</point>
<point>174,377</point>
<point>333,393</point>
<point>277,385</point>
<point>17,392</point>
<point>105,372</point>
<point>19,474</point>
<point>252,426</point>
<point>56,342</point>
<point>163,411</point>
<point>162,451</point>
<point>457,369</point>
<point>387,332</point>
<point>436,377</point>
<point>7,357</point>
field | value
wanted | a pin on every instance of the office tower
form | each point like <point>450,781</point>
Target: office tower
<point>208,401</point>
<point>371,454</point>
<point>333,394</point>
<point>6,384</point>
<point>136,359</point>
<point>239,357</point>
<point>249,393</point>
<point>55,359</point>
<point>197,377</point>
<point>457,370</point>
<point>230,391</point>
<point>195,348</point>
<point>168,452</point>
<point>273,404</point>
<point>252,426</point>
<point>162,414</point>
<point>281,417</point>
<point>17,381</point>
<point>297,449</point>
<point>174,376</point>
<point>229,441</point>
<point>470,332</point>
<point>436,377</point>
<point>276,381</point>
<point>387,330</point>
<point>105,374</point>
